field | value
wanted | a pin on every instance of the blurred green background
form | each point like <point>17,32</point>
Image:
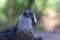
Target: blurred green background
<point>11,9</point>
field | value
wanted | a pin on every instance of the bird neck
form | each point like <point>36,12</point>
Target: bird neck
<point>24,23</point>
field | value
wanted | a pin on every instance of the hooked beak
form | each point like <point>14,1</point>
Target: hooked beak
<point>34,20</point>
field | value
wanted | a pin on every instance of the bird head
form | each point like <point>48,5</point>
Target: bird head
<point>29,13</point>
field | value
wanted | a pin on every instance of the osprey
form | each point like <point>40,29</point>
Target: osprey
<point>23,30</point>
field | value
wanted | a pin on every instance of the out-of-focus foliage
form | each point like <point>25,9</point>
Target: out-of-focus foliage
<point>39,7</point>
<point>3,3</point>
<point>19,6</point>
<point>2,17</point>
<point>2,6</point>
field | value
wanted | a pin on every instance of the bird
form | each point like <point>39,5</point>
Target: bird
<point>25,25</point>
<point>23,29</point>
